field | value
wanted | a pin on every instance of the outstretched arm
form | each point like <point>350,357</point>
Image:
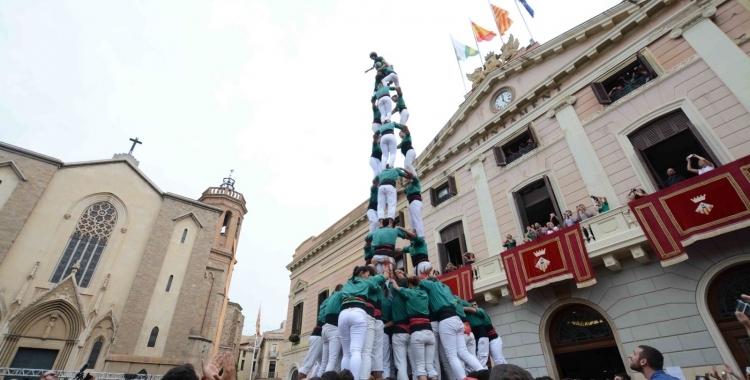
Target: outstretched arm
<point>690,166</point>
<point>408,233</point>
<point>711,164</point>
<point>407,173</point>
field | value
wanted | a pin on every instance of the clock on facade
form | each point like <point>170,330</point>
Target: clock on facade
<point>502,99</point>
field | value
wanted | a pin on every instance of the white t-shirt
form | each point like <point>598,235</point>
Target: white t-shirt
<point>705,169</point>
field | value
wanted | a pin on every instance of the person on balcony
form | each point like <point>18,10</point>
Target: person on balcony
<point>551,228</point>
<point>673,177</point>
<point>704,165</point>
<point>509,242</point>
<point>530,233</point>
<point>569,218</point>
<point>469,258</point>
<point>449,268</point>
<point>582,213</point>
<point>601,203</point>
<point>636,193</point>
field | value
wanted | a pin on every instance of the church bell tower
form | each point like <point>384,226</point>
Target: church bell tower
<point>226,236</point>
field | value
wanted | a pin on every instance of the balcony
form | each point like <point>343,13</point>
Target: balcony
<point>612,236</point>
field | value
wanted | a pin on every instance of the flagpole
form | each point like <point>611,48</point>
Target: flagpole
<point>524,21</point>
<point>498,28</point>
<point>460,70</point>
<point>476,42</point>
<point>252,367</point>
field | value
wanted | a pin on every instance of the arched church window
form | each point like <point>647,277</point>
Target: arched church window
<point>580,325</point>
<point>95,350</point>
<point>169,283</point>
<point>87,243</point>
<point>225,225</point>
<point>152,338</point>
<point>184,235</point>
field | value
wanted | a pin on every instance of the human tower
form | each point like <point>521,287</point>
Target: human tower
<point>383,322</point>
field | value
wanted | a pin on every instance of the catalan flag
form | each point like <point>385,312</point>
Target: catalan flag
<point>257,324</point>
<point>501,18</point>
<point>482,34</point>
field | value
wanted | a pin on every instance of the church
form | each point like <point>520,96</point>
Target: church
<point>99,266</point>
<point>635,98</point>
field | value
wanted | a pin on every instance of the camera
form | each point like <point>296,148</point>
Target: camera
<point>743,307</point>
<point>593,197</point>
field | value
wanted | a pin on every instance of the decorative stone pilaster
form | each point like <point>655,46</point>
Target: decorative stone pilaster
<point>491,229</point>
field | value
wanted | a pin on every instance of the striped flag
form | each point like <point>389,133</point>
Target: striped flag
<point>501,18</point>
<point>482,34</point>
<point>528,7</point>
<point>463,51</point>
<point>257,325</point>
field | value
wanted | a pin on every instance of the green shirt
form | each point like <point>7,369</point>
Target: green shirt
<point>510,244</point>
<point>459,307</point>
<point>398,308</point>
<point>391,174</point>
<point>358,287</point>
<point>388,127</point>
<point>475,320</point>
<point>322,311</point>
<point>376,147</point>
<point>485,318</point>
<point>417,302</point>
<point>376,113</point>
<point>373,194</point>
<point>369,252</point>
<point>385,70</point>
<point>406,139</point>
<point>414,187</point>
<point>399,103</point>
<point>386,310</point>
<point>333,305</point>
<point>604,207</point>
<point>440,295</point>
<point>531,235</point>
<point>385,235</point>
<point>417,247</point>
<point>383,91</point>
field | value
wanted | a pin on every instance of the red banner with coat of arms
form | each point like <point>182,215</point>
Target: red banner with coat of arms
<point>708,205</point>
<point>556,257</point>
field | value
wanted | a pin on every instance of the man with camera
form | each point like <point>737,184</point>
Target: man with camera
<point>601,203</point>
<point>636,193</point>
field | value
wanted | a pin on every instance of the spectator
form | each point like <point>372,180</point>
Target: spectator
<point>509,372</point>
<point>569,218</point>
<point>614,90</point>
<point>48,375</point>
<point>551,228</point>
<point>346,374</point>
<point>582,214</point>
<point>622,376</point>
<point>436,273</point>
<point>509,242</point>
<point>553,219</point>
<point>650,363</point>
<point>330,375</point>
<point>704,165</point>
<point>742,317</point>
<point>673,178</point>
<point>544,378</point>
<point>449,268</point>
<point>538,229</point>
<point>530,234</point>
<point>601,203</point>
<point>715,374</point>
<point>636,193</point>
<point>469,258</point>
<point>221,363</point>
<point>543,231</point>
<point>479,375</point>
<point>526,240</point>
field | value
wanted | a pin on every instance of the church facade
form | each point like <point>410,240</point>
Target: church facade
<point>99,266</point>
<point>607,107</point>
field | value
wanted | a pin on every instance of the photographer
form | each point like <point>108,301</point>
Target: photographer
<point>742,317</point>
<point>601,203</point>
<point>636,193</point>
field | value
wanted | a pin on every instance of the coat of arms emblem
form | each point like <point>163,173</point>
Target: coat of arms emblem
<point>542,263</point>
<point>703,207</point>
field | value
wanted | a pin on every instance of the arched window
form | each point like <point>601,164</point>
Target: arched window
<point>723,294</point>
<point>87,243</point>
<point>184,235</point>
<point>225,225</point>
<point>169,283</point>
<point>152,338</point>
<point>95,350</point>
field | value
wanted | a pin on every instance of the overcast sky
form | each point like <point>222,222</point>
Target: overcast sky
<point>273,89</point>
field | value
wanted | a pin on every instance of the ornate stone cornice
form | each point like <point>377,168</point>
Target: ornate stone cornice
<point>706,12</point>
<point>567,101</point>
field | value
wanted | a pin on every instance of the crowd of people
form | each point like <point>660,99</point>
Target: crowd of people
<point>628,82</point>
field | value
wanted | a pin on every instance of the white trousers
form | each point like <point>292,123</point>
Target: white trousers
<point>415,217</point>
<point>353,333</point>
<point>391,77</point>
<point>454,343</point>
<point>388,145</point>
<point>364,372</point>
<point>496,351</point>
<point>386,356</point>
<point>386,197</point>
<point>375,127</point>
<point>377,347</point>
<point>483,351</point>
<point>423,349</point>
<point>440,357</point>
<point>471,346</point>
<point>400,355</point>
<point>421,267</point>
<point>380,262</point>
<point>385,105</point>
<point>376,166</point>
<point>409,158</point>
<point>404,114</point>
<point>313,354</point>
<point>372,216</point>
<point>331,348</point>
